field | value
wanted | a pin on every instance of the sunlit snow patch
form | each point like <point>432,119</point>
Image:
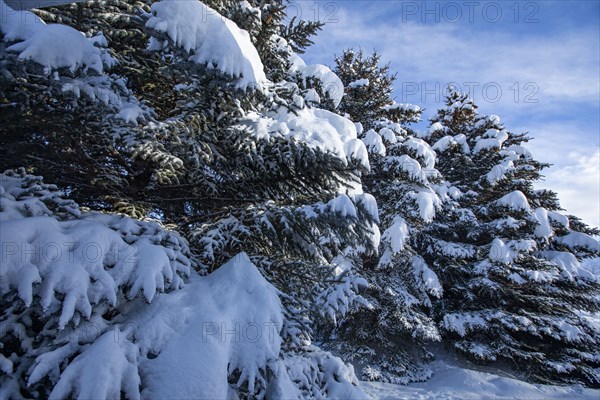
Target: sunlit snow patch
<point>210,39</point>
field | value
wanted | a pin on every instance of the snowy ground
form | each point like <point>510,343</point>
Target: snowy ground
<point>452,382</point>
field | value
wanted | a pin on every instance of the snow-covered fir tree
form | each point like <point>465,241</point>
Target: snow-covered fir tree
<point>387,338</point>
<point>203,118</point>
<point>368,90</point>
<point>508,257</point>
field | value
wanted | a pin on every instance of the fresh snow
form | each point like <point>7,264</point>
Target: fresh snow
<point>228,320</point>
<point>388,135</point>
<point>403,106</point>
<point>429,279</point>
<point>451,382</point>
<point>51,45</point>
<point>568,265</point>
<point>332,84</point>
<point>428,203</point>
<point>487,143</point>
<point>407,164</point>
<point>359,83</point>
<point>396,235</point>
<point>374,143</point>
<point>515,201</point>
<point>579,239</point>
<point>317,128</point>
<point>543,228</point>
<point>506,253</point>
<point>435,127</point>
<point>422,150</point>
<point>498,172</point>
<point>446,142</point>
<point>210,39</point>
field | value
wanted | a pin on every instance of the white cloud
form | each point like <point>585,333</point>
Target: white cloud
<point>575,170</point>
<point>579,177</point>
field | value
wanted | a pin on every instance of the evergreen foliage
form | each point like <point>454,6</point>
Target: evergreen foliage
<point>515,291</point>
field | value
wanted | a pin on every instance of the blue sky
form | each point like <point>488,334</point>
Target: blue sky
<point>536,64</point>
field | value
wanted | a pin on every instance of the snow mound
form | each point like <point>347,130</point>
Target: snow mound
<point>210,38</point>
<point>317,128</point>
<point>452,382</point>
<point>447,142</point>
<point>515,201</point>
<point>225,322</point>
<point>53,46</point>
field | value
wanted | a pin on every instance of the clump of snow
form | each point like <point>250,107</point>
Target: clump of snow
<point>485,144</point>
<point>343,206</point>
<point>396,235</point>
<point>210,39</point>
<point>518,150</point>
<point>506,253</point>
<point>568,265</point>
<point>443,144</point>
<point>403,106</point>
<point>332,84</point>
<point>559,219</point>
<point>408,165</point>
<point>369,203</point>
<point>498,172</point>
<point>388,135</point>
<point>429,279</point>
<point>428,202</point>
<point>515,201</point>
<point>359,83</point>
<point>543,228</point>
<point>446,142</point>
<point>579,239</point>
<point>374,143</point>
<point>422,150</point>
<point>492,139</point>
<point>53,45</point>
<point>317,128</point>
<point>437,126</point>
